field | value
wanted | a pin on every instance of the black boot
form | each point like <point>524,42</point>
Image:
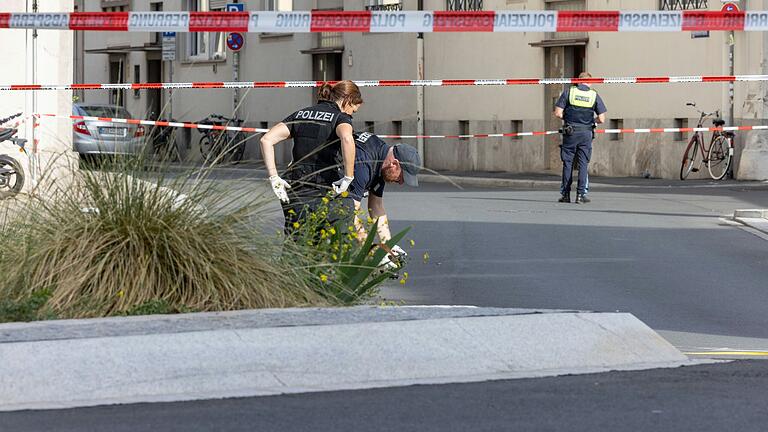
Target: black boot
<point>565,198</point>
<point>582,199</point>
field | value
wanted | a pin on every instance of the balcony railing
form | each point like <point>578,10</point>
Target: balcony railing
<point>683,4</point>
<point>330,40</point>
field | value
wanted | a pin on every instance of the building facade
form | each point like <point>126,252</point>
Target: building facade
<point>35,57</point>
<point>137,57</point>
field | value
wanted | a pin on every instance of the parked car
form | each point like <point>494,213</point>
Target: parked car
<point>93,138</point>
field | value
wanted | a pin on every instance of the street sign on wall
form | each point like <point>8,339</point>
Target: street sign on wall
<point>730,7</point>
<point>235,41</point>
<point>169,46</point>
<point>235,7</point>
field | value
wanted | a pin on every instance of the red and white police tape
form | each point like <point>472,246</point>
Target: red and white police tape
<point>156,123</point>
<point>392,21</point>
<point>490,135</point>
<point>395,83</point>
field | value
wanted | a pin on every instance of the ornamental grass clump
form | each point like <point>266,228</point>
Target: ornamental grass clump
<point>123,239</point>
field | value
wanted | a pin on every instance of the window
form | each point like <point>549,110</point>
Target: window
<point>115,5</point>
<point>278,5</point>
<point>616,124</point>
<point>205,46</point>
<point>683,4</point>
<point>369,126</point>
<point>515,127</point>
<point>397,127</point>
<point>680,123</point>
<point>136,80</point>
<point>464,5</point>
<point>463,128</point>
<point>157,37</point>
<point>384,5</point>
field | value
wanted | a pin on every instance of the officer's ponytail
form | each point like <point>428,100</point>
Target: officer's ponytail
<point>325,92</point>
<point>343,92</point>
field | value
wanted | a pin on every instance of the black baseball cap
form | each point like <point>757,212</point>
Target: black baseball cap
<point>409,161</point>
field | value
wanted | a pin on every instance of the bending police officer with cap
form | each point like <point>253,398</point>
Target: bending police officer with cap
<point>376,164</point>
<point>580,107</point>
<point>318,133</point>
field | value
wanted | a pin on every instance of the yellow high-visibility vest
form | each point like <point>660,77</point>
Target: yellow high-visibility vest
<point>581,98</point>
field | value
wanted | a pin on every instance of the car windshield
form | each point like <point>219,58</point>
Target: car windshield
<point>105,111</point>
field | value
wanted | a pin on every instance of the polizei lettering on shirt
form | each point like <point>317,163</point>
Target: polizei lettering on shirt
<point>364,136</point>
<point>315,115</point>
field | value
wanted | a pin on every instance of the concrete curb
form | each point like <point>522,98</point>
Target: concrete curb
<point>751,213</point>
<point>753,218</point>
<point>490,182</point>
<point>253,353</point>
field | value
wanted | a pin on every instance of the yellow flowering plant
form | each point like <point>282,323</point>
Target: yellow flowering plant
<point>344,269</point>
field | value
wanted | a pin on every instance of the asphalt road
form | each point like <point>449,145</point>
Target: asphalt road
<point>699,398</point>
<point>664,254</point>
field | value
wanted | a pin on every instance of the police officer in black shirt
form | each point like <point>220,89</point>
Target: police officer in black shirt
<point>378,163</point>
<point>579,107</point>
<point>318,133</point>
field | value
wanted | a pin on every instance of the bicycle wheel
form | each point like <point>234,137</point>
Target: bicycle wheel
<point>207,144</point>
<point>239,147</point>
<point>11,177</point>
<point>168,151</point>
<point>719,157</point>
<point>689,157</point>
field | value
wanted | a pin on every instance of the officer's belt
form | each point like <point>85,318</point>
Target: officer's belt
<point>580,127</point>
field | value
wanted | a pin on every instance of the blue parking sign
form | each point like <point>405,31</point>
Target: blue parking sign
<point>235,7</point>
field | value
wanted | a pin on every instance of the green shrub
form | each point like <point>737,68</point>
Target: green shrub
<point>30,308</point>
<point>140,242</point>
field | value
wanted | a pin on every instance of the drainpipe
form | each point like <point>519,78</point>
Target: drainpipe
<point>420,90</point>
<point>33,165</point>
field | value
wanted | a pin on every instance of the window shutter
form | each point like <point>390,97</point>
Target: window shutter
<point>219,4</point>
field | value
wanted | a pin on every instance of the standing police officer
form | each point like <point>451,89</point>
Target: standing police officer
<point>580,108</point>
<point>318,133</point>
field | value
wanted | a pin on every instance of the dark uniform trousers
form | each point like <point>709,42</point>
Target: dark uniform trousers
<point>305,200</point>
<point>577,145</point>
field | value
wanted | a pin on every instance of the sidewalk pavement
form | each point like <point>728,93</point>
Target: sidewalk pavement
<point>535,180</point>
<point>73,363</point>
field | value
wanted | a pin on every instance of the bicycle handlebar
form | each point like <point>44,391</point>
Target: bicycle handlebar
<point>9,118</point>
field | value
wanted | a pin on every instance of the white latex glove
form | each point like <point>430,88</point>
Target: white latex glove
<point>342,184</point>
<point>279,187</point>
<point>387,264</point>
<point>398,251</point>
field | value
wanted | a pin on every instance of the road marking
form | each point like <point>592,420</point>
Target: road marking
<point>741,353</point>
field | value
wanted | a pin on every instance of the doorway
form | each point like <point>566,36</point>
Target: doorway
<point>326,67</point>
<point>117,76</point>
<point>566,61</point>
<point>154,96</point>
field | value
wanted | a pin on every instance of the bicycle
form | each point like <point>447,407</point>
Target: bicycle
<point>218,145</point>
<point>164,143</point>
<point>718,155</point>
<point>11,173</point>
